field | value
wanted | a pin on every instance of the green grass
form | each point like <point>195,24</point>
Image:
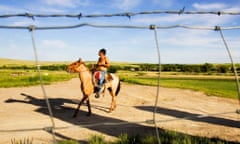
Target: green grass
<point>222,86</point>
<point>22,78</point>
<point>217,86</point>
<point>165,136</point>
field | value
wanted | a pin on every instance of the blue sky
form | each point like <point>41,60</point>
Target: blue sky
<point>123,45</point>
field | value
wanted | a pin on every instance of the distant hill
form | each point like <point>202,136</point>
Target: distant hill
<point>5,61</point>
<point>12,62</point>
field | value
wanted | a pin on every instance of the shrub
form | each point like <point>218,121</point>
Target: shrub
<point>123,139</point>
<point>113,69</point>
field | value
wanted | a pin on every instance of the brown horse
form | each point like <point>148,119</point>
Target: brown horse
<point>87,85</point>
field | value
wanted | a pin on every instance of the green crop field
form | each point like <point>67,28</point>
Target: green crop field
<point>222,86</point>
<point>21,78</point>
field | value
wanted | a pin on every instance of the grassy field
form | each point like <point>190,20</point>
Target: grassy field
<point>22,78</point>
<point>223,86</point>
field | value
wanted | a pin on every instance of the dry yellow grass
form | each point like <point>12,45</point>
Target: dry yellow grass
<point>4,61</point>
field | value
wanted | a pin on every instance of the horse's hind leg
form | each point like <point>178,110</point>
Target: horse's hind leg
<point>80,103</point>
<point>89,107</point>
<point>113,104</point>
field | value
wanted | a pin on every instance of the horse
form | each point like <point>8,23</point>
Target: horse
<point>112,83</point>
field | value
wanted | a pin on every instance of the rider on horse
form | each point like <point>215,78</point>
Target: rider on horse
<point>101,70</point>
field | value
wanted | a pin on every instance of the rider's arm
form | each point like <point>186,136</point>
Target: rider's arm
<point>107,63</point>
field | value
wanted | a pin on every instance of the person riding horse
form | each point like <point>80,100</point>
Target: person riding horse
<point>101,71</point>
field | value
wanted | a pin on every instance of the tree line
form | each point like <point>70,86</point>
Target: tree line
<point>55,67</point>
<point>191,68</point>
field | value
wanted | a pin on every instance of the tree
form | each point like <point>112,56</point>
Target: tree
<point>207,67</point>
<point>223,69</point>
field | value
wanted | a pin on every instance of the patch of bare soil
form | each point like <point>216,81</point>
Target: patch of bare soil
<point>25,108</point>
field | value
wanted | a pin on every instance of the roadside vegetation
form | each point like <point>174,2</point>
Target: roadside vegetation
<point>165,136</point>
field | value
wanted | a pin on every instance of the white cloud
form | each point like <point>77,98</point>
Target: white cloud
<point>160,19</point>
<point>165,3</point>
<point>25,22</point>
<point>54,44</point>
<point>67,3</point>
<point>10,9</point>
<point>125,4</point>
<point>188,38</point>
<point>210,6</point>
<point>43,9</point>
<point>201,20</point>
<point>232,9</point>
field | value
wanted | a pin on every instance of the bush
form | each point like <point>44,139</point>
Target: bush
<point>207,67</point>
<point>223,69</point>
<point>123,139</point>
<point>113,69</point>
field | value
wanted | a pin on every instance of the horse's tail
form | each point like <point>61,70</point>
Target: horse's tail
<point>118,88</point>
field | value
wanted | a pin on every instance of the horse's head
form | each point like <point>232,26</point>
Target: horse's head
<point>75,66</point>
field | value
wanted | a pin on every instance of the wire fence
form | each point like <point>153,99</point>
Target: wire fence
<point>216,28</point>
<point>153,121</point>
<point>124,14</point>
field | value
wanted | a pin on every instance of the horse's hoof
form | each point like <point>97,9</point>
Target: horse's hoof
<point>110,110</point>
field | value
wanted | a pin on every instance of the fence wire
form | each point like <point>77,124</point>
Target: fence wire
<point>153,27</point>
<point>123,14</point>
<point>232,62</point>
<point>42,85</point>
<point>33,28</point>
<point>118,26</point>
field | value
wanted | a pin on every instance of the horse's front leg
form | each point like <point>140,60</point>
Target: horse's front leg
<point>105,86</point>
<point>89,107</point>
<point>80,103</point>
<point>113,104</point>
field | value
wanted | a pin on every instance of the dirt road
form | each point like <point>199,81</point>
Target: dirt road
<point>24,108</point>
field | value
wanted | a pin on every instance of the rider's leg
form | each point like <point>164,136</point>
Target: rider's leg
<point>102,78</point>
<point>101,84</point>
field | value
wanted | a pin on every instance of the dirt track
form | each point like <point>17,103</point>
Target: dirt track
<point>23,108</point>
